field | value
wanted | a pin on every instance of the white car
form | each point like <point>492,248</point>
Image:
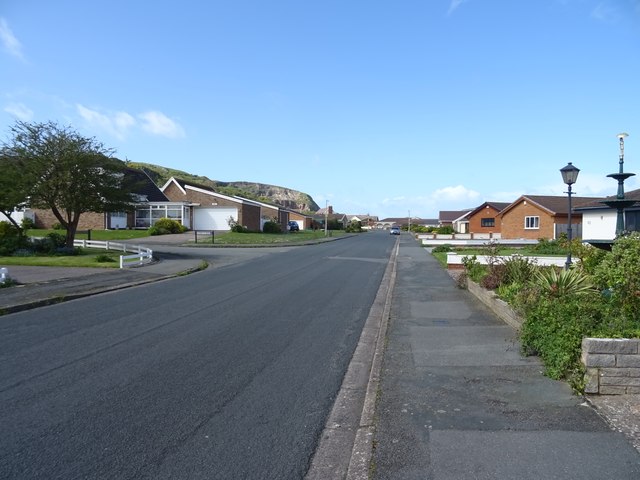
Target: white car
<point>394,230</point>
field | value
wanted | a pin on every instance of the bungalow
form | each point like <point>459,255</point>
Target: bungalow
<point>388,222</point>
<point>150,205</point>
<point>599,220</point>
<point>539,216</point>
<point>483,219</point>
<point>366,221</point>
<point>456,219</point>
<point>210,210</point>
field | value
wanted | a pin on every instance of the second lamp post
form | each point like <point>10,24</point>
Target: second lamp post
<point>569,176</point>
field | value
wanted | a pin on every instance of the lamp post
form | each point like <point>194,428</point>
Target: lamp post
<point>569,176</point>
<point>326,217</point>
<point>620,203</point>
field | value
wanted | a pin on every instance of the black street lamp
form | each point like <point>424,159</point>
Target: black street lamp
<point>569,176</point>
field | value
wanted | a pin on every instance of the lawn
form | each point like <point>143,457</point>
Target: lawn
<point>102,235</point>
<point>88,257</point>
<point>233,238</point>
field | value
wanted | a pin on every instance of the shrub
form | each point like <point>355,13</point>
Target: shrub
<point>50,244</point>
<point>494,277</point>
<point>27,223</point>
<point>442,248</point>
<point>554,328</point>
<point>475,271</point>
<point>556,284</point>
<point>104,258</point>
<point>169,226</point>
<point>11,239</point>
<point>354,227</point>
<point>235,226</point>
<point>271,227</point>
<point>57,226</point>
<point>518,269</point>
<point>446,230</point>
<point>619,274</point>
<point>154,231</point>
<point>549,247</point>
<point>590,257</point>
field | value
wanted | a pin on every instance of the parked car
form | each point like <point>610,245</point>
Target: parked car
<point>394,230</point>
<point>293,226</point>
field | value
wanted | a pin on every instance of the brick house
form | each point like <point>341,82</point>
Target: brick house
<point>150,205</point>
<point>483,219</point>
<point>539,216</point>
<point>210,210</point>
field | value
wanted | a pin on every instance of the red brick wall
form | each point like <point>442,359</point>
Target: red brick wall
<point>475,221</point>
<point>248,215</point>
<point>89,220</point>
<point>512,222</point>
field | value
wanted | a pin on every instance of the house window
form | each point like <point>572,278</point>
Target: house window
<point>531,222</point>
<point>487,222</point>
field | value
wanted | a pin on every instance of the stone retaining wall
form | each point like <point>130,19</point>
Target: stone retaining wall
<point>613,365</point>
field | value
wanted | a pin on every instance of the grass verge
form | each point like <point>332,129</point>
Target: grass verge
<point>233,238</point>
<point>88,257</point>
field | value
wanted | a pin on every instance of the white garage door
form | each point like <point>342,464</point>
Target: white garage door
<point>213,218</point>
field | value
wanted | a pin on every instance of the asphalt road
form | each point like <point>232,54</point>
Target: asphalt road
<point>227,373</point>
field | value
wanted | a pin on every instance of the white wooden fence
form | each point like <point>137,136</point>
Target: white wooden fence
<point>139,254</point>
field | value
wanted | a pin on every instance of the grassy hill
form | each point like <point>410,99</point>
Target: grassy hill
<point>284,197</point>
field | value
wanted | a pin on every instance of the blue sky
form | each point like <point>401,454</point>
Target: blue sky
<point>371,106</point>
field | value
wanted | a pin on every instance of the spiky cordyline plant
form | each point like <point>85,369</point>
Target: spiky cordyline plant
<point>564,282</point>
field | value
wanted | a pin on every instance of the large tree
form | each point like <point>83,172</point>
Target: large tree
<point>12,188</point>
<point>66,172</point>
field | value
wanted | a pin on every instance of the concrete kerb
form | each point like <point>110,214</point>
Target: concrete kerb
<point>346,443</point>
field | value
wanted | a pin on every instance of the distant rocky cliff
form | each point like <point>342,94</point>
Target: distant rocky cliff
<point>284,197</point>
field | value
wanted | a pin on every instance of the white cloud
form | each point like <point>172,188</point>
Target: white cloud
<point>605,13</point>
<point>20,111</point>
<point>118,124</point>
<point>454,5</point>
<point>157,123</point>
<point>458,193</point>
<point>9,41</point>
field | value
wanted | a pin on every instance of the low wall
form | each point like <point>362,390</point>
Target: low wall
<point>613,365</point>
<point>454,260</point>
<point>497,306</point>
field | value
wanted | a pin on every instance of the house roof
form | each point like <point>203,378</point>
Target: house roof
<point>185,185</point>
<point>362,218</point>
<point>598,205</point>
<point>143,186</point>
<point>429,222</point>
<point>450,216</point>
<point>499,206</point>
<point>555,205</point>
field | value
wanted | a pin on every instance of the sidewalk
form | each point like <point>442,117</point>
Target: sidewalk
<point>457,400</point>
<point>41,286</point>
